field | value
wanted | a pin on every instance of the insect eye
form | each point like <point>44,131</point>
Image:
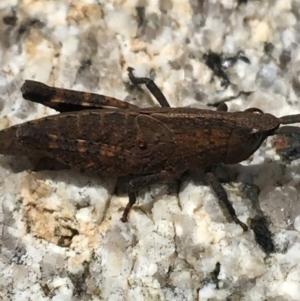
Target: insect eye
<point>255,111</point>
<point>141,143</point>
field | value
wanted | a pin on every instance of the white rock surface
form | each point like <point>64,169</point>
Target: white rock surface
<point>61,235</point>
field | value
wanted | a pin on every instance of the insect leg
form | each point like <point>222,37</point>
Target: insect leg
<point>64,100</point>
<point>221,194</point>
<point>222,107</point>
<point>139,183</point>
<point>150,84</point>
<point>287,142</point>
<point>132,200</point>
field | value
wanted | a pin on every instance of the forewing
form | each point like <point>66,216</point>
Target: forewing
<point>107,150</point>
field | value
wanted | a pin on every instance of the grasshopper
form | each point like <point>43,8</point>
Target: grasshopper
<point>111,137</point>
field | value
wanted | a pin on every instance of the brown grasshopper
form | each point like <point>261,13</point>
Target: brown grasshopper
<point>111,137</point>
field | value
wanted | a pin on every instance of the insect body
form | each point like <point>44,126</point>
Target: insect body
<point>144,141</point>
<point>147,146</point>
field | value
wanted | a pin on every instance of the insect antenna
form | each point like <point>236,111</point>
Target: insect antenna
<point>289,119</point>
<point>288,130</point>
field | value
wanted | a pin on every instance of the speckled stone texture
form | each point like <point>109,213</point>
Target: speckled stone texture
<point>61,235</point>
